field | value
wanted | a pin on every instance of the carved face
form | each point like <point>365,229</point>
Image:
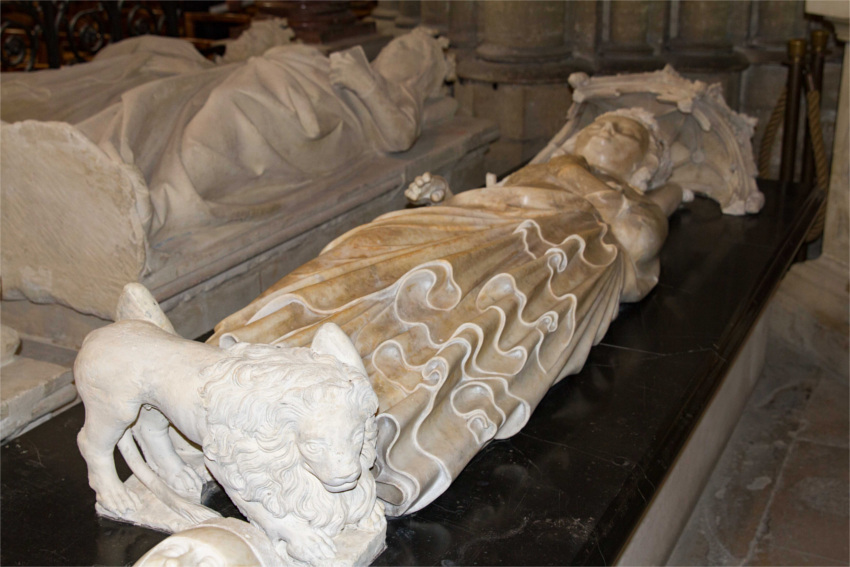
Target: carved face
<point>613,144</point>
<point>202,546</point>
<point>330,441</point>
<point>178,551</point>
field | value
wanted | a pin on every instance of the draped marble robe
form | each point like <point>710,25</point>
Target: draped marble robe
<point>465,314</point>
<point>217,143</point>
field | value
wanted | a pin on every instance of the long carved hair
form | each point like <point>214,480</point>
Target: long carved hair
<point>255,400</point>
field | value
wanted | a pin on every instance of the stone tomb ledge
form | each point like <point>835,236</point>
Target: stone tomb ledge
<point>573,485</point>
<point>35,385</point>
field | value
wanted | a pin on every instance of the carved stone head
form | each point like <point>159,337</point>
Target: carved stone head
<point>416,61</point>
<point>627,144</point>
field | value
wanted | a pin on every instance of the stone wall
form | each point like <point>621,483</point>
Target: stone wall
<point>514,56</point>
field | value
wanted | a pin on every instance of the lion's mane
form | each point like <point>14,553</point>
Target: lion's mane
<point>255,400</point>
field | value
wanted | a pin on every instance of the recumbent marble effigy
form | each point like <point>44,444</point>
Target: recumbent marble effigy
<point>462,315</point>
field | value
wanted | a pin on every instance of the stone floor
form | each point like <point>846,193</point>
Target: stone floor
<point>779,493</point>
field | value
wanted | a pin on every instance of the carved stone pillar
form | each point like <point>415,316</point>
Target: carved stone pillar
<point>629,35</point>
<point>774,22</point>
<point>386,10</point>
<point>702,34</point>
<point>584,29</point>
<point>463,24</point>
<point>435,14</point>
<point>384,15</point>
<point>409,13</point>
<point>513,32</point>
<point>517,74</point>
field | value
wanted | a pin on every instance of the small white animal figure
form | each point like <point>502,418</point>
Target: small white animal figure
<point>288,432</point>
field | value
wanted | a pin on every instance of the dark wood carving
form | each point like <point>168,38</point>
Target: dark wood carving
<point>52,33</point>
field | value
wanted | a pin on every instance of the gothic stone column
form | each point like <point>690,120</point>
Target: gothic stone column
<point>517,75</point>
<point>702,34</point>
<point>630,34</point>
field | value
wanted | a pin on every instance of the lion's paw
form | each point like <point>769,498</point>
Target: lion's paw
<point>311,547</point>
<point>372,521</point>
<point>119,500</point>
<point>186,480</point>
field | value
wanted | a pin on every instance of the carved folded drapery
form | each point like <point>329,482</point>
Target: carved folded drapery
<point>466,314</point>
<point>218,142</point>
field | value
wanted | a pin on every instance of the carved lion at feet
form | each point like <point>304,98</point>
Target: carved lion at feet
<point>294,431</point>
<point>288,432</point>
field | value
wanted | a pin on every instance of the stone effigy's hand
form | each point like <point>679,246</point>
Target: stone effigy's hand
<point>428,189</point>
<point>184,479</point>
<point>347,71</point>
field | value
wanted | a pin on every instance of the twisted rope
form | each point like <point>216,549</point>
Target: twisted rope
<point>776,118</point>
<point>821,161</point>
<point>818,147</point>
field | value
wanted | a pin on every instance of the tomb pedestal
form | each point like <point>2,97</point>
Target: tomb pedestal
<point>576,481</point>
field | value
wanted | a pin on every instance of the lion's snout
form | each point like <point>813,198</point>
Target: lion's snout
<point>342,483</point>
<point>332,480</point>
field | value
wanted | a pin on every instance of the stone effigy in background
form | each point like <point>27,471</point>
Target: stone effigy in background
<point>171,170</point>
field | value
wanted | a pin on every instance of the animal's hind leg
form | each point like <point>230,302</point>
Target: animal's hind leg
<point>96,440</point>
<point>152,434</point>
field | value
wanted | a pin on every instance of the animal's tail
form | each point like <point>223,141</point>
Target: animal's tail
<point>136,302</point>
<point>195,513</point>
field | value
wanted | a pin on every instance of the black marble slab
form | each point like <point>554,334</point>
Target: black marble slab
<point>571,486</point>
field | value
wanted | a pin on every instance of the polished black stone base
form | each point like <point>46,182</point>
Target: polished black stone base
<point>571,486</point>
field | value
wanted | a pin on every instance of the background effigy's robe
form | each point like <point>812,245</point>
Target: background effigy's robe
<point>220,142</point>
<point>464,314</point>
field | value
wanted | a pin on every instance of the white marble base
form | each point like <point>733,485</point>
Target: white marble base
<point>671,506</point>
<point>359,547</point>
<point>31,392</point>
<point>152,514</point>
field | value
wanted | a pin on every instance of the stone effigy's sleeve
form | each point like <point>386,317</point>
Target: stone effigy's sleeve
<point>464,314</point>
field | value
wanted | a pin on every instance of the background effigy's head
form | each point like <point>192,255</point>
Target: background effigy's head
<point>626,143</point>
<point>415,60</point>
